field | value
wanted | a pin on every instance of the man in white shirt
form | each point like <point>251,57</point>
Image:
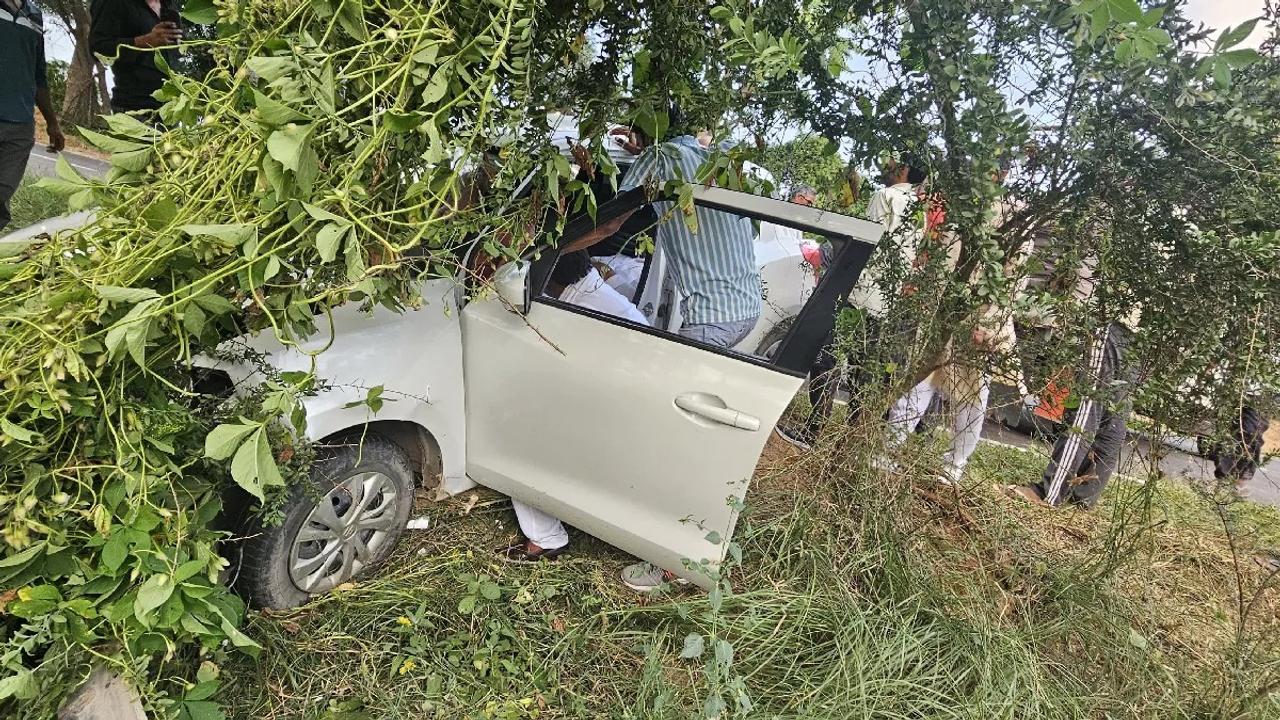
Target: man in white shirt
<point>545,536</point>
<point>892,206</point>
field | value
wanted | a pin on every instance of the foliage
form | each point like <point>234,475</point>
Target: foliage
<point>31,204</point>
<point>56,75</point>
<point>339,152</point>
<point>336,153</point>
<point>859,595</point>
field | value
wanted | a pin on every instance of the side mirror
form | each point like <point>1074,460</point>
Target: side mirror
<point>511,282</point>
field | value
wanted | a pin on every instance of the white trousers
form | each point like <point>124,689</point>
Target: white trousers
<point>542,529</point>
<point>966,429</point>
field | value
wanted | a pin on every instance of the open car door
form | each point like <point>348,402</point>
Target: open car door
<point>639,437</point>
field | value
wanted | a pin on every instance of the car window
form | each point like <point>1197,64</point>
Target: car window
<point>713,278</point>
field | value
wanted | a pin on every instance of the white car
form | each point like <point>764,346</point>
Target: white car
<point>627,432</point>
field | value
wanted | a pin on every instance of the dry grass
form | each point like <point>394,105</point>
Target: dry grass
<point>861,595</point>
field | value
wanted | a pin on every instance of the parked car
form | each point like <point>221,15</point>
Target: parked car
<point>628,432</point>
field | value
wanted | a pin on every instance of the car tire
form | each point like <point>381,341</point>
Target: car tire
<point>352,510</point>
<point>768,346</point>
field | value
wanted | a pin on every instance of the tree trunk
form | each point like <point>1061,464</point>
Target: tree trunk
<point>80,106</point>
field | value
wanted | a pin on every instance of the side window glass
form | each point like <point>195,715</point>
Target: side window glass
<point>712,278</point>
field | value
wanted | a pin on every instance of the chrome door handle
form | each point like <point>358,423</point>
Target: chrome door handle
<point>714,409</point>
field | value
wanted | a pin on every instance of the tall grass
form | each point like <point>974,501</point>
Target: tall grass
<point>860,595</point>
<point>31,204</point>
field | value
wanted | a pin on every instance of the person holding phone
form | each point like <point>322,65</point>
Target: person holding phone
<point>129,33</point>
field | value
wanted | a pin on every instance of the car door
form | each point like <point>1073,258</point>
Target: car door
<point>636,436</point>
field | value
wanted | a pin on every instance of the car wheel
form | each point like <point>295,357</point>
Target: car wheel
<point>340,525</point>
<point>772,340</point>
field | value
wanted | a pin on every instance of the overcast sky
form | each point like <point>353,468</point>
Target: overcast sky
<point>1214,13</point>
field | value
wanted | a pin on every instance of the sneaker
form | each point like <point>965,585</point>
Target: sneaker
<point>646,577</point>
<point>798,435</point>
<point>949,476</point>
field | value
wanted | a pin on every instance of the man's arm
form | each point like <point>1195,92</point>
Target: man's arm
<point>107,35</point>
<point>43,101</point>
<point>598,233</point>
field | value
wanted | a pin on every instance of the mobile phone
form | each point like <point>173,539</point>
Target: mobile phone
<point>168,14</point>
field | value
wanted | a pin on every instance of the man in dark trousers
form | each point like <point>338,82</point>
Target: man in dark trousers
<point>1088,451</point>
<point>118,26</point>
<point>23,87</point>
<point>1237,458</point>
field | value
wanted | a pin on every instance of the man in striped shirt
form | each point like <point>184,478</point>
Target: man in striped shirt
<point>714,266</point>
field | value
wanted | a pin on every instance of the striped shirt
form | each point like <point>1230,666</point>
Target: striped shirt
<point>714,267</point>
<point>22,65</point>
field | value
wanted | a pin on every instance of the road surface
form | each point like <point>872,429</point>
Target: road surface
<point>43,163</point>
<point>1136,456</point>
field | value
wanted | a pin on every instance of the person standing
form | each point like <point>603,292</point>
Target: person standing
<point>131,32</point>
<point>891,206</point>
<point>715,267</point>
<point>23,88</point>
<point>1087,453</point>
<point>1237,458</point>
<point>964,379</point>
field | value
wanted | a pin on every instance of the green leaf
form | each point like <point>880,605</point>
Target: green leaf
<point>107,143</point>
<point>1125,11</point>
<point>490,590</point>
<point>693,646</point>
<point>215,304</point>
<point>130,126</point>
<point>351,18</point>
<point>713,537</point>
<point>270,68</point>
<point>403,122</point>
<point>21,559</point>
<point>329,240</point>
<point>228,235</point>
<point>115,550</point>
<point>131,331</point>
<point>114,293</point>
<point>253,466</point>
<point>21,685</point>
<point>155,590</point>
<point>275,113</point>
<point>17,432</point>
<point>437,87</point>
<point>1222,73</point>
<point>133,160</point>
<point>1240,58</point>
<point>202,710</point>
<point>467,605</point>
<point>1234,36</point>
<point>224,439</point>
<point>287,144</point>
<point>240,640</point>
<point>200,12</point>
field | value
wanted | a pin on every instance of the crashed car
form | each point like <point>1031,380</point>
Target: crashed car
<point>652,439</point>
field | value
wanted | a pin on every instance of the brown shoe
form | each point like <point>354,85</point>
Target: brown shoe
<point>1025,493</point>
<point>522,554</point>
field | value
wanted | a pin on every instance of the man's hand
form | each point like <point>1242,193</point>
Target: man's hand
<point>57,141</point>
<point>627,140</point>
<point>983,337</point>
<point>164,33</point>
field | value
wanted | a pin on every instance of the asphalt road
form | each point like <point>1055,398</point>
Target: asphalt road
<point>43,163</point>
<point>1136,457</point>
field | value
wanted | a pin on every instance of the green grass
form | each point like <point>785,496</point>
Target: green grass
<point>31,204</point>
<point>859,596</point>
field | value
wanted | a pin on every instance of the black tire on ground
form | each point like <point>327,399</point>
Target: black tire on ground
<point>346,469</point>
<point>769,343</point>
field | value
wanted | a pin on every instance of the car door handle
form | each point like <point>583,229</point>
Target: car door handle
<point>713,408</point>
